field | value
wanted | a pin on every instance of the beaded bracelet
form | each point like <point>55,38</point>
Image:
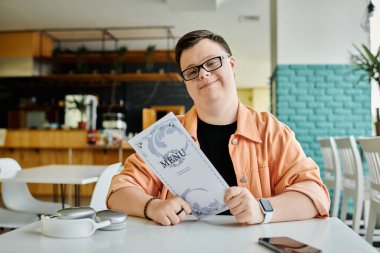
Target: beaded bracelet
<point>146,207</point>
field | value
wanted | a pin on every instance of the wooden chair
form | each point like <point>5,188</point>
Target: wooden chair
<point>371,150</point>
<point>150,115</point>
<point>333,174</point>
<point>354,185</point>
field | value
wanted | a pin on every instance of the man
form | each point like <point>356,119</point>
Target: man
<point>272,180</point>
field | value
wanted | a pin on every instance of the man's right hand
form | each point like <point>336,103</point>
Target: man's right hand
<point>168,212</point>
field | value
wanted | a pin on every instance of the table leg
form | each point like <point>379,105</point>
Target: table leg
<point>63,193</point>
<point>55,193</point>
<point>77,195</point>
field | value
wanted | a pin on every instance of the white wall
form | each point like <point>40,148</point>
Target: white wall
<point>249,40</point>
<point>375,44</point>
<point>319,31</point>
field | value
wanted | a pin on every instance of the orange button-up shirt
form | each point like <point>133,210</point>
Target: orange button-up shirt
<point>267,159</point>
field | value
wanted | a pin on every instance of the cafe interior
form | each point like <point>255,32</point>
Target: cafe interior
<point>79,79</point>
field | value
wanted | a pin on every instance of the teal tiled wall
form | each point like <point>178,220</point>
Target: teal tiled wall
<point>322,100</point>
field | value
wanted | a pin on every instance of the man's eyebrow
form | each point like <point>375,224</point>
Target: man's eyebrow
<point>203,61</point>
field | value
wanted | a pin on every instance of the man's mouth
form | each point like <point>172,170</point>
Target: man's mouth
<point>207,84</point>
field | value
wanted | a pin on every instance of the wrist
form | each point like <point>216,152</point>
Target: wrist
<point>147,204</point>
<point>266,210</point>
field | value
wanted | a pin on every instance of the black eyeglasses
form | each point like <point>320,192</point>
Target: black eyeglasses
<point>209,65</point>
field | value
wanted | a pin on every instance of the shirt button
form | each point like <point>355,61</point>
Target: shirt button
<point>243,180</point>
<point>234,141</point>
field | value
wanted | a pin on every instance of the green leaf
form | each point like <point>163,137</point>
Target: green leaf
<point>367,62</point>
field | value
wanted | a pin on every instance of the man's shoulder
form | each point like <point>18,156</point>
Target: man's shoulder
<point>264,119</point>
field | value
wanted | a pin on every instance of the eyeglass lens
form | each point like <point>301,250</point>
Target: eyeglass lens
<point>209,65</point>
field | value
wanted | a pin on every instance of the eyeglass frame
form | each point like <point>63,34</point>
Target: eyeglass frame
<point>221,57</point>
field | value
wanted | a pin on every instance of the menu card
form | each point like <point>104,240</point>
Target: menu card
<point>171,153</point>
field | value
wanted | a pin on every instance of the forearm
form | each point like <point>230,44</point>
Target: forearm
<point>292,205</point>
<point>129,200</point>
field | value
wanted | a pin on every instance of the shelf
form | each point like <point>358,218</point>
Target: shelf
<point>129,77</point>
<point>132,77</point>
<point>136,56</point>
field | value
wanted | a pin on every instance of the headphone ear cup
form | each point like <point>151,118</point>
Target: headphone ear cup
<point>118,219</point>
<point>72,228</point>
<point>73,213</point>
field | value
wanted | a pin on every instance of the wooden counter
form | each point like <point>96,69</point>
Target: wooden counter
<point>42,147</point>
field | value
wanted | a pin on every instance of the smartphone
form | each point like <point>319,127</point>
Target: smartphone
<point>285,244</point>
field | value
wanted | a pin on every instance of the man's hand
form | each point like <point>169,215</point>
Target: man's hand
<point>168,212</point>
<point>243,205</point>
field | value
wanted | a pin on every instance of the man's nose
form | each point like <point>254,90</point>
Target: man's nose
<point>203,73</point>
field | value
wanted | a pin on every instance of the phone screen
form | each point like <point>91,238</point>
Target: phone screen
<point>287,245</point>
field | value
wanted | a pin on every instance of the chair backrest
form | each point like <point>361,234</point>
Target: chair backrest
<point>371,150</point>
<point>13,219</point>
<point>330,159</point>
<point>8,168</point>
<point>333,173</point>
<point>98,199</point>
<point>350,160</point>
<point>12,192</point>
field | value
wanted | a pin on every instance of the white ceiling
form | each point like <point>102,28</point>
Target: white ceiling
<point>249,39</point>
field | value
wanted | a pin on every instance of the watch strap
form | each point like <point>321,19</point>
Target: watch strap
<point>267,214</point>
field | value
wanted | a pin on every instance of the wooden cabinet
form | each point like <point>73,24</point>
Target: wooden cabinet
<point>155,112</point>
<point>34,148</point>
<point>19,51</point>
<point>25,44</point>
<point>46,138</point>
<point>24,53</point>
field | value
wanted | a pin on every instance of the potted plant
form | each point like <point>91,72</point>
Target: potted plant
<point>79,103</point>
<point>54,60</point>
<point>149,64</point>
<point>119,60</point>
<point>369,64</point>
<point>82,66</point>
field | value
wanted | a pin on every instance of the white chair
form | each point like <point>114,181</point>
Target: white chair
<point>16,196</point>
<point>13,219</point>
<point>371,150</point>
<point>98,199</point>
<point>354,185</point>
<point>333,172</point>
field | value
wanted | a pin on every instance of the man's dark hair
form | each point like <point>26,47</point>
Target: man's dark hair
<point>190,39</point>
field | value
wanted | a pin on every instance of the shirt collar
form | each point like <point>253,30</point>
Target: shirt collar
<point>246,123</point>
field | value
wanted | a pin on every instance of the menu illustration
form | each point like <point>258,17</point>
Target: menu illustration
<point>171,153</point>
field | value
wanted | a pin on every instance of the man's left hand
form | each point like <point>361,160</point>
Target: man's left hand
<point>243,205</point>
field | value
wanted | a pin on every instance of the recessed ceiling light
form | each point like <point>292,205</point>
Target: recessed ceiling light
<point>248,18</point>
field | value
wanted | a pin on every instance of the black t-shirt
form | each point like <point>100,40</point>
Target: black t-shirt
<point>213,141</point>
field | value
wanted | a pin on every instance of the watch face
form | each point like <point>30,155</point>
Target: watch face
<point>266,205</point>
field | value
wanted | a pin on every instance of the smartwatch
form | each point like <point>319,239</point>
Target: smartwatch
<point>267,209</point>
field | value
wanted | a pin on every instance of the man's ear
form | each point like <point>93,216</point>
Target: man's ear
<point>233,63</point>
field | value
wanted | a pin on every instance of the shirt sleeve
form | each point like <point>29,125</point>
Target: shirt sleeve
<point>136,174</point>
<point>296,172</point>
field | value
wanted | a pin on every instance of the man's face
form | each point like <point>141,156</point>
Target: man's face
<point>210,86</point>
